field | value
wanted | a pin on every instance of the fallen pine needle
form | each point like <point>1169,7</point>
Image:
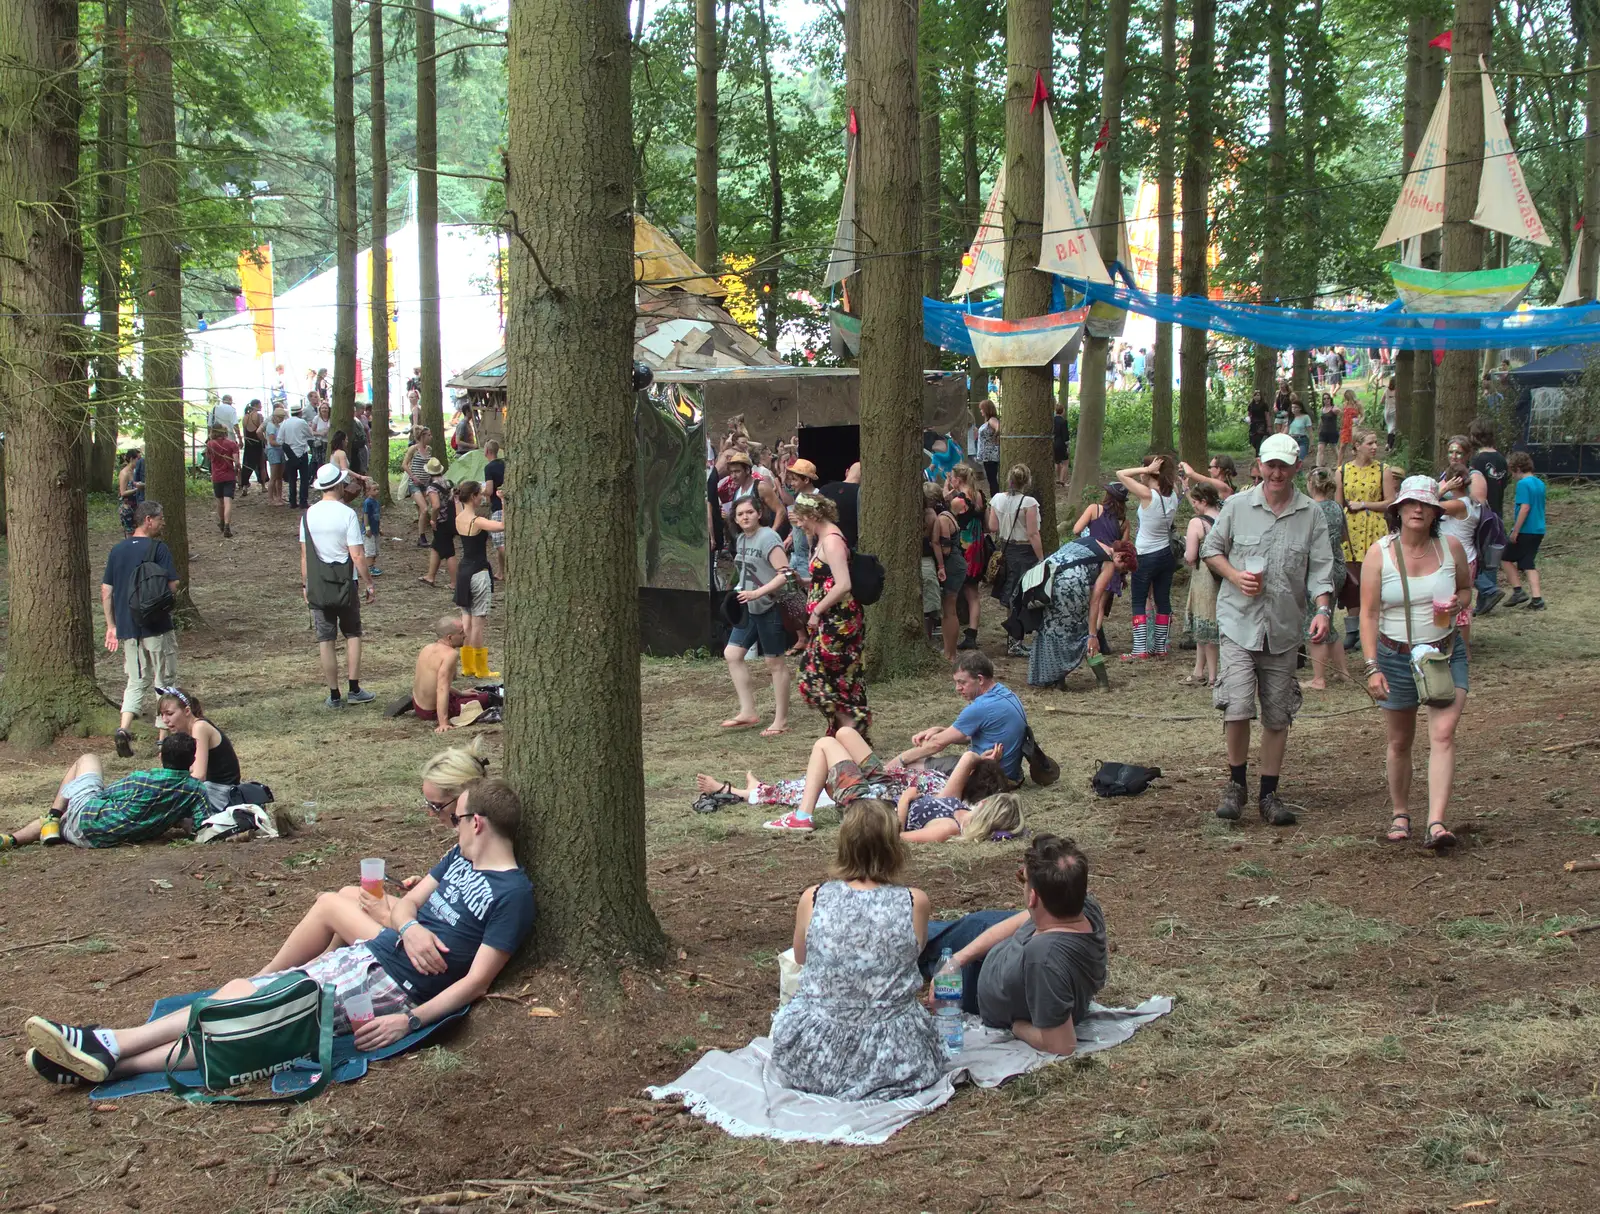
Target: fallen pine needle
<point>1568,931</point>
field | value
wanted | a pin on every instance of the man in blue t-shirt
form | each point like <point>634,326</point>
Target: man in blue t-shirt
<point>149,646</point>
<point>993,716</point>
<point>417,958</point>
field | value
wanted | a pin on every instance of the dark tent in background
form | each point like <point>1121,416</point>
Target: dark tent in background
<point>1553,426</point>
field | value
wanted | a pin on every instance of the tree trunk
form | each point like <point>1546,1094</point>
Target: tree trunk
<point>378,115</point>
<point>1414,117</point>
<point>1166,200</point>
<point>890,199</point>
<point>705,134</point>
<point>49,677</point>
<point>972,211</point>
<point>111,158</point>
<point>769,289</point>
<point>1312,85</point>
<point>342,414</point>
<point>1456,390</point>
<point>1589,250</point>
<point>429,357</point>
<point>1192,385</point>
<point>1266,362</point>
<point>161,294</point>
<point>1107,210</point>
<point>1424,371</point>
<point>932,150</point>
<point>570,437</point>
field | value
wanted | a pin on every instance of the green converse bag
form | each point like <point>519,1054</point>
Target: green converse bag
<point>237,1041</point>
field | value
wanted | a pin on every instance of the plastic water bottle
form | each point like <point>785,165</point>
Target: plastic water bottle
<point>947,1002</point>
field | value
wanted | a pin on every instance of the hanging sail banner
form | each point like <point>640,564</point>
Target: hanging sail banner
<point>844,333</point>
<point>1504,203</point>
<point>1435,291</point>
<point>255,280</point>
<point>1023,343</point>
<point>1066,247</point>
<point>985,263</point>
<point>1107,320</point>
<point>842,262</point>
<point>1420,207</point>
<point>1571,291</point>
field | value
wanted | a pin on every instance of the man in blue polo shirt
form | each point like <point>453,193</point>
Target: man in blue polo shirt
<point>993,715</point>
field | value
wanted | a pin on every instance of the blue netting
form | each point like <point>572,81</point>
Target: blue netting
<point>942,325</point>
<point>1302,328</point>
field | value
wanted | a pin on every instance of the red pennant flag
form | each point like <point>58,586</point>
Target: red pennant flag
<point>1578,227</point>
<point>1104,137</point>
<point>854,129</point>
<point>1442,41</point>
<point>1040,93</point>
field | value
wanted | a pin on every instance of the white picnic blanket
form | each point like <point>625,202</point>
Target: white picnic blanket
<point>740,1092</point>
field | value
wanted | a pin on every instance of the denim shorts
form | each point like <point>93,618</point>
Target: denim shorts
<point>765,627</point>
<point>1396,668</point>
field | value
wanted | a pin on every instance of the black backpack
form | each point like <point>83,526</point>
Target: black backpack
<point>151,597</point>
<point>1122,779</point>
<point>866,578</point>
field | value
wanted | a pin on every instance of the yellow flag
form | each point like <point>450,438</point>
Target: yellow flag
<point>255,278</point>
<point>388,295</point>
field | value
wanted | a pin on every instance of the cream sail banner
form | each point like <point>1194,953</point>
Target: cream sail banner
<point>985,263</point>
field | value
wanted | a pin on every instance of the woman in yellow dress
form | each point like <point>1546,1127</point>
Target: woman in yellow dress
<point>1365,490</point>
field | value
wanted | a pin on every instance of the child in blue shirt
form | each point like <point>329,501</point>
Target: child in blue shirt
<point>370,528</point>
<point>1526,531</point>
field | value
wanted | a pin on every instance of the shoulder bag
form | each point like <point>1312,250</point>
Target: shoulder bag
<point>330,587</point>
<point>1435,686</point>
<point>996,573</point>
<point>237,1041</point>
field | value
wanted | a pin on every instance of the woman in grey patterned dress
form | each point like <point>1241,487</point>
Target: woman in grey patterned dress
<point>856,1029</point>
<point>1084,569</point>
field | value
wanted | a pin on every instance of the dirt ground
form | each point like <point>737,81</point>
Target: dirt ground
<point>1358,1026</point>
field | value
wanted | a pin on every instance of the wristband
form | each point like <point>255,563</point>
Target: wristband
<point>406,926</point>
<point>1327,611</point>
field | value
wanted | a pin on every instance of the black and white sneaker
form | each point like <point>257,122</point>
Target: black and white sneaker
<point>53,1072</point>
<point>72,1046</point>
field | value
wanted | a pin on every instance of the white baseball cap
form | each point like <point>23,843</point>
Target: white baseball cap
<point>1281,449</point>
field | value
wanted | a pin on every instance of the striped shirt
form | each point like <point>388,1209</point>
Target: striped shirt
<point>143,805</point>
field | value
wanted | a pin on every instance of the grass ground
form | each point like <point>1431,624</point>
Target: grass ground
<point>1358,1027</point>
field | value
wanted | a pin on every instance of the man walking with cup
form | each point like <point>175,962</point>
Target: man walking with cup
<point>1270,548</point>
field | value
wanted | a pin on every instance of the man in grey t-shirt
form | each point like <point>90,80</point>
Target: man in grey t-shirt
<point>1036,971</point>
<point>763,569</point>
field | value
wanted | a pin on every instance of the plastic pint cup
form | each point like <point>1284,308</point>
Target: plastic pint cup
<point>1443,610</point>
<point>372,877</point>
<point>358,1007</point>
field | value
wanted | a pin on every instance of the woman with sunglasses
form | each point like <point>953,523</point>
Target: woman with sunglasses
<point>443,778</point>
<point>215,763</point>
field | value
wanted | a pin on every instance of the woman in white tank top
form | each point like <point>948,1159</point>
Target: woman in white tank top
<point>1462,513</point>
<point>1154,487</point>
<point>1436,572</point>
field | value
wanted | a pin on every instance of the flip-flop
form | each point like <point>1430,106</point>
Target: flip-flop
<point>1439,837</point>
<point>1394,834</point>
<point>735,723</point>
<point>773,731</point>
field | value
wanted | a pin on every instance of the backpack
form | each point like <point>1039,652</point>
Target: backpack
<point>1491,533</point>
<point>866,578</point>
<point>151,595</point>
<point>1121,779</point>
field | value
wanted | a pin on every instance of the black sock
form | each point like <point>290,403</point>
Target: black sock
<point>1269,784</point>
<point>355,686</point>
<point>333,694</point>
<point>1236,774</point>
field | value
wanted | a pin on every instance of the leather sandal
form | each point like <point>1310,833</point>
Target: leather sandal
<point>1398,834</point>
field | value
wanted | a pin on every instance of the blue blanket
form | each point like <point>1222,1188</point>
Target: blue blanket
<point>349,1063</point>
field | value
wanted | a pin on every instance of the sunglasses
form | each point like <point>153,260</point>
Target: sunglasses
<point>437,807</point>
<point>458,819</point>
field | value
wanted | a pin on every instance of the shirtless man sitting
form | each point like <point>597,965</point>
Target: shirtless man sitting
<point>436,670</point>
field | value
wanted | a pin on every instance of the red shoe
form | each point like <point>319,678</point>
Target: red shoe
<point>790,821</point>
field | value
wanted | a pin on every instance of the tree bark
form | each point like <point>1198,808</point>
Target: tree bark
<point>342,414</point>
<point>572,605</point>
<point>972,209</point>
<point>378,115</point>
<point>1166,201</point>
<point>1192,385</point>
<point>1107,210</point>
<point>1312,94</point>
<point>769,305</point>
<point>932,150</point>
<point>1456,391</point>
<point>111,188</point>
<point>1589,249</point>
<point>705,134</point>
<point>1414,117</point>
<point>161,295</point>
<point>429,357</point>
<point>890,200</point>
<point>1266,359</point>
<point>1424,372</point>
<point>49,677</point>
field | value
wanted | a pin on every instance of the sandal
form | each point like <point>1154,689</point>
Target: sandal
<point>1439,837</point>
<point>1191,681</point>
<point>772,731</point>
<point>1398,834</point>
<point>736,723</point>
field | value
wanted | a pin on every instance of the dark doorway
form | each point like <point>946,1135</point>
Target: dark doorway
<point>831,448</point>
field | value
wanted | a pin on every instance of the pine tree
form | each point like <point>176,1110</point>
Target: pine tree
<point>378,437</point>
<point>429,357</point>
<point>342,414</point>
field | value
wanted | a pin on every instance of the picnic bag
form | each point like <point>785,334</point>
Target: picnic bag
<point>235,1041</point>
<point>1121,779</point>
<point>151,596</point>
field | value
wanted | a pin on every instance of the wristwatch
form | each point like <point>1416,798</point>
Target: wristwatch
<point>413,1025</point>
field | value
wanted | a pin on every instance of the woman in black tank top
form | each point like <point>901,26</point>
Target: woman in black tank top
<point>214,759</point>
<point>475,580</point>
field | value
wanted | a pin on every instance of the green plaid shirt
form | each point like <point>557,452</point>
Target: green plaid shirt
<point>142,806</point>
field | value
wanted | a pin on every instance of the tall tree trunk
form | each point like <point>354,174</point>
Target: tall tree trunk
<point>1312,99</point>
<point>705,134</point>
<point>1414,117</point>
<point>972,209</point>
<point>1266,361</point>
<point>890,199</point>
<point>570,420</point>
<point>49,675</point>
<point>161,295</point>
<point>378,115</point>
<point>1424,371</point>
<point>111,187</point>
<point>1166,201</point>
<point>1107,211</point>
<point>1025,392</point>
<point>1456,394</point>
<point>931,145</point>
<point>342,415</point>
<point>1589,250</point>
<point>1192,385</point>
<point>770,288</point>
<point>429,356</point>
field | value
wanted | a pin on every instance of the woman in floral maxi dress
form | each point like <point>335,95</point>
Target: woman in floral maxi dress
<point>831,677</point>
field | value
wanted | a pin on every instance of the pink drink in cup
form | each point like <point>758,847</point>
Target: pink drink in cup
<point>372,877</point>
<point>358,1008</point>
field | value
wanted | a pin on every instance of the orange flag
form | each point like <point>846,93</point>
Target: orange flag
<point>255,279</point>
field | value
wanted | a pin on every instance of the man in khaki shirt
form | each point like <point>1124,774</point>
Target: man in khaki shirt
<point>1270,548</point>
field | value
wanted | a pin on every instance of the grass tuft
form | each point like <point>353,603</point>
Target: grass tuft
<point>1250,871</point>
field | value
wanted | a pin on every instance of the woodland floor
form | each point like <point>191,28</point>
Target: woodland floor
<point>1358,1027</point>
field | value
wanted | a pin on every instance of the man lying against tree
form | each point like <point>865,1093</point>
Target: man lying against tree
<point>457,929</point>
<point>87,812</point>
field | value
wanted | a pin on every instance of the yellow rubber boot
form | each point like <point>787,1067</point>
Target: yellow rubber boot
<point>483,664</point>
<point>469,661</point>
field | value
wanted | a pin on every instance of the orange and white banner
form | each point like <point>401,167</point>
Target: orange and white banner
<point>255,279</point>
